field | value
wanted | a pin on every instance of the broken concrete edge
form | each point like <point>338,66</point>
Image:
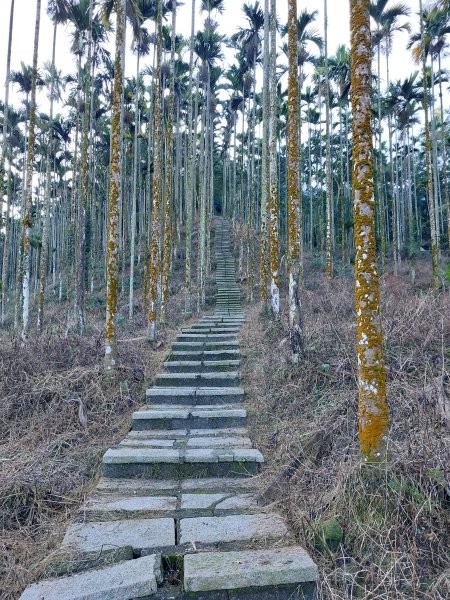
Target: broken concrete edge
<point>122,581</point>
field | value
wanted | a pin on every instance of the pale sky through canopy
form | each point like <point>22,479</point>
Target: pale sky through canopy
<point>232,18</point>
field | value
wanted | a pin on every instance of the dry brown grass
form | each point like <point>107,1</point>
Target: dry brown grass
<point>49,462</point>
<point>394,518</point>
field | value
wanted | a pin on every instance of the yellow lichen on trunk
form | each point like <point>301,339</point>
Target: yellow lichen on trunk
<point>273,181</point>
<point>372,402</point>
<point>293,181</point>
<point>155,258</point>
<point>112,248</point>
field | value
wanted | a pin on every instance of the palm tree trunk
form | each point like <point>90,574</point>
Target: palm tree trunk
<point>2,162</point>
<point>372,402</point>
<point>27,214</point>
<point>155,244</point>
<point>265,180</point>
<point>135,190</point>
<point>329,201</point>
<point>293,161</point>
<point>391,172</point>
<point>190,175</point>
<point>112,255</point>
<point>4,273</point>
<point>44,254</point>
<point>167,248</point>
<point>431,206</point>
<point>273,193</point>
<point>444,152</point>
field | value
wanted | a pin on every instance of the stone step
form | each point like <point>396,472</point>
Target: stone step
<point>148,440</point>
<point>178,434</point>
<point>215,318</point>
<point>214,329</point>
<point>156,487</point>
<point>230,345</point>
<point>123,581</point>
<point>84,541</point>
<point>225,321</point>
<point>221,379</point>
<point>195,396</point>
<point>278,573</point>
<point>170,463</point>
<point>207,366</point>
<point>110,507</point>
<point>216,326</point>
<point>233,532</point>
<point>206,337</point>
<point>207,356</point>
<point>190,417</point>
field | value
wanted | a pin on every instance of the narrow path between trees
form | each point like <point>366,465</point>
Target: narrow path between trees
<point>176,513</point>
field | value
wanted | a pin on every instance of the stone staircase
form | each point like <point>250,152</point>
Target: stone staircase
<point>176,513</point>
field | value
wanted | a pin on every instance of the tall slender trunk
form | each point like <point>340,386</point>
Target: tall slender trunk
<point>273,193</point>
<point>190,175</point>
<point>155,244</point>
<point>4,274</point>
<point>264,248</point>
<point>135,189</point>
<point>167,247</point>
<point>431,206</point>
<point>112,254</point>
<point>45,234</point>
<point>372,402</point>
<point>329,200</point>
<point>444,151</point>
<point>394,201</point>
<point>293,162</point>
<point>28,208</point>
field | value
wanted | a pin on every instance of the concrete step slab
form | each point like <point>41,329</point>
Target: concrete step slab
<point>253,570</point>
<point>185,442</point>
<point>155,487</point>
<point>215,379</point>
<point>194,395</point>
<point>200,356</point>
<point>110,507</point>
<point>208,345</point>
<point>214,329</point>
<point>200,366</point>
<point>190,417</point>
<point>124,581</point>
<point>233,531</point>
<point>143,535</point>
<point>174,464</point>
<point>206,337</point>
<point>183,434</point>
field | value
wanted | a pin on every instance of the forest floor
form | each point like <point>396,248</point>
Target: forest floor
<point>377,532</point>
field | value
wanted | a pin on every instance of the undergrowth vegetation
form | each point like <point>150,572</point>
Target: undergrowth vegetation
<point>377,531</point>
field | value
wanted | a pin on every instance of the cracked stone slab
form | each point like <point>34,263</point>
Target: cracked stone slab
<point>148,487</point>
<point>211,571</point>
<point>127,455</point>
<point>131,505</point>
<point>219,502</point>
<point>233,529</point>
<point>218,442</point>
<point>158,434</point>
<point>124,581</point>
<point>232,485</point>
<point>140,534</point>
<point>148,443</point>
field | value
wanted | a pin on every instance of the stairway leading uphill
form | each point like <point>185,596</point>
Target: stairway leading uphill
<point>176,513</point>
